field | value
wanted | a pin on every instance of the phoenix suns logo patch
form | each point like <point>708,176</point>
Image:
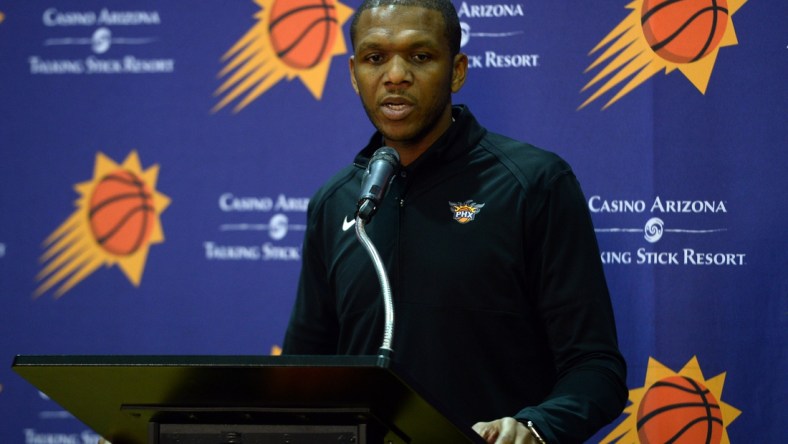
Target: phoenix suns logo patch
<point>465,212</point>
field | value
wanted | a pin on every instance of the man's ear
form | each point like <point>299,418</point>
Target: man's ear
<point>459,72</point>
<point>352,63</point>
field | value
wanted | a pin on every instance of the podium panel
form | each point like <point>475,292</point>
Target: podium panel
<point>139,399</point>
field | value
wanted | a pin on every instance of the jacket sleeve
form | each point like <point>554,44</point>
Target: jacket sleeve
<point>575,309</point>
<point>313,327</point>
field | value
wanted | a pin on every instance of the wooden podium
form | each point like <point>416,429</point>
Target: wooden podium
<point>242,399</point>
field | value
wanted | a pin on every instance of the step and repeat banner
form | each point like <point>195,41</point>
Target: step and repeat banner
<point>157,159</point>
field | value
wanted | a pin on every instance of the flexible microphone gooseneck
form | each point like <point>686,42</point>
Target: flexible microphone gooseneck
<point>380,171</point>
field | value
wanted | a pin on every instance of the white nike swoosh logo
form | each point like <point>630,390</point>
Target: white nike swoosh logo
<point>346,224</point>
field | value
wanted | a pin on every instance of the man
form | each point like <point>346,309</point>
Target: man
<point>503,312</point>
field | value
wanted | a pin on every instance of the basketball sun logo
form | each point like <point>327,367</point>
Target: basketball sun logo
<point>115,223</point>
<point>663,34</point>
<point>291,38</point>
<point>466,211</point>
<point>680,408</point>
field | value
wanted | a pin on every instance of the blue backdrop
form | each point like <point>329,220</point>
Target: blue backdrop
<point>682,163</point>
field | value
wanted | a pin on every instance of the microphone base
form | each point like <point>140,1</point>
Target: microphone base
<point>384,357</point>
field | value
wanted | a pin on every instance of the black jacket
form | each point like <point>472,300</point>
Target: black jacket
<point>501,303</point>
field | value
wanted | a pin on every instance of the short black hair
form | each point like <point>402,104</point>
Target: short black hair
<point>445,7</point>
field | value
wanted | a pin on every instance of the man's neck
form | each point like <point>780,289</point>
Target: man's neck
<point>410,151</point>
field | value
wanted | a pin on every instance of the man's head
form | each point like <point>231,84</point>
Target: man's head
<point>405,69</point>
<point>451,21</point>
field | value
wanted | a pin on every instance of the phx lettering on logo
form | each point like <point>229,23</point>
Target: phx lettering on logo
<point>681,408</point>
<point>292,38</point>
<point>116,222</point>
<point>466,211</point>
<point>663,35</point>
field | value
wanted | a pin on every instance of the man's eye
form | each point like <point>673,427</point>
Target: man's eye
<point>421,57</point>
<point>374,58</point>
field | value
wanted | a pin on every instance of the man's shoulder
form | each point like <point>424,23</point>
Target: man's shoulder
<point>339,183</point>
<point>529,164</point>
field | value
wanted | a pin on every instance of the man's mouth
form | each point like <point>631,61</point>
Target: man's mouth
<point>396,108</point>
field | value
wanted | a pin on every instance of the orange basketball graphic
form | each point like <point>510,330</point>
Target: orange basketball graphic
<point>302,32</point>
<point>679,410</point>
<point>684,31</point>
<point>121,213</point>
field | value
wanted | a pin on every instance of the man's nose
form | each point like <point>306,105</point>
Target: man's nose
<point>398,71</point>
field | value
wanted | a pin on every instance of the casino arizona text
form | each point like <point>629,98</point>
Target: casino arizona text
<point>490,10</point>
<point>53,17</point>
<point>596,204</point>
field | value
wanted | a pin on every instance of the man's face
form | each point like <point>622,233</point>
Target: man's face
<point>404,73</point>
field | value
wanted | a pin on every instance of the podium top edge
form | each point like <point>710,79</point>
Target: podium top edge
<point>195,360</point>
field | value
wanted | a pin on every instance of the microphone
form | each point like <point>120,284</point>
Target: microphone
<point>380,172</point>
